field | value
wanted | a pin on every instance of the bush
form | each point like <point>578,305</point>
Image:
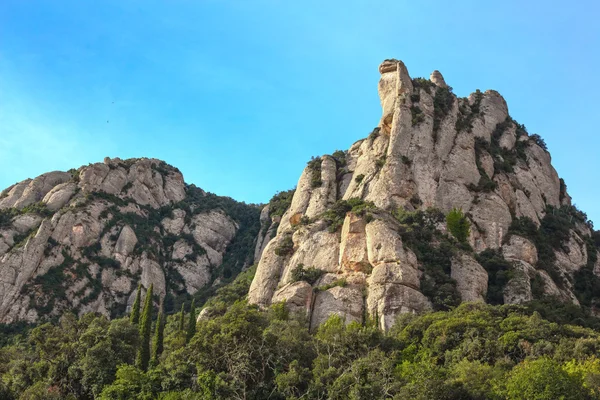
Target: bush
<point>417,115</point>
<point>337,213</point>
<point>442,104</point>
<point>310,275</point>
<point>286,247</point>
<point>537,139</point>
<point>458,225</point>
<point>499,273</point>
<point>359,178</point>
<point>315,166</point>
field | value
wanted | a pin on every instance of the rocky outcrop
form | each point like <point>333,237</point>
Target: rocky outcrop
<point>430,150</point>
<point>83,240</point>
<point>471,278</point>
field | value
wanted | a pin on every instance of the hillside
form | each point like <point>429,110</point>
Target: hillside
<point>83,240</point>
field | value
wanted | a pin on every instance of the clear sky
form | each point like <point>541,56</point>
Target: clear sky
<point>239,94</point>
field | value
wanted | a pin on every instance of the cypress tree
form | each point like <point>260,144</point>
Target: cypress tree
<point>191,331</point>
<point>143,355</point>
<point>134,317</point>
<point>157,346</point>
<point>182,319</point>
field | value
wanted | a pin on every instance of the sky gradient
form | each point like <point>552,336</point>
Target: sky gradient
<point>240,94</point>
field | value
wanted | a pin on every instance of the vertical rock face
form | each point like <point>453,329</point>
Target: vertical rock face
<point>83,240</point>
<point>430,150</point>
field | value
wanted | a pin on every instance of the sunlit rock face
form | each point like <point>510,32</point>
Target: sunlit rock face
<point>83,240</point>
<point>429,150</point>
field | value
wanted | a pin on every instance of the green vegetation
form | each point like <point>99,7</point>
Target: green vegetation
<point>280,203</point>
<point>442,104</point>
<point>499,273</point>
<point>158,342</point>
<point>359,178</point>
<point>7,214</point>
<point>475,351</point>
<point>315,167</point>
<point>467,113</point>
<point>191,330</point>
<point>434,252</point>
<point>458,225</point>
<point>134,317</point>
<point>286,246</point>
<point>553,235</point>
<point>310,275</point>
<point>417,115</point>
<point>422,83</point>
<point>143,354</point>
<point>337,213</point>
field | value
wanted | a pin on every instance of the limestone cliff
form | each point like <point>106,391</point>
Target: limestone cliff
<point>82,240</point>
<point>357,222</point>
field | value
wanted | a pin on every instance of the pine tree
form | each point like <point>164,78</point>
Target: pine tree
<point>143,355</point>
<point>191,331</point>
<point>134,317</point>
<point>157,345</point>
<point>182,319</point>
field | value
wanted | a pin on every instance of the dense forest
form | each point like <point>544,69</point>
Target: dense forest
<point>542,350</point>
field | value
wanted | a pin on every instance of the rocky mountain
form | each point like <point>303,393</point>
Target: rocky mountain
<point>369,232</point>
<point>84,239</point>
<point>447,200</point>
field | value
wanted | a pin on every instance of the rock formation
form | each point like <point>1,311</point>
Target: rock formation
<point>82,240</point>
<point>430,151</point>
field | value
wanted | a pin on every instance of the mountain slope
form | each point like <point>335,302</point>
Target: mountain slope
<point>365,233</point>
<point>84,239</point>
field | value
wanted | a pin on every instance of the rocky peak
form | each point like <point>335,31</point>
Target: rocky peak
<point>431,151</point>
<point>82,240</point>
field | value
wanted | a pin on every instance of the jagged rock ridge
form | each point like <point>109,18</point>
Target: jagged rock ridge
<point>82,240</point>
<point>430,151</point>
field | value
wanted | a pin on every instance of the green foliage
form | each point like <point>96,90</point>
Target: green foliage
<point>143,355</point>
<point>499,273</point>
<point>337,283</point>
<point>442,104</point>
<point>337,213</point>
<point>315,166</point>
<point>468,112</point>
<point>458,225</point>
<point>286,246</point>
<point>543,379</point>
<point>423,83</point>
<point>359,178</point>
<point>134,317</point>
<point>417,115</point>
<point>158,343</point>
<point>475,351</point>
<point>434,252</point>
<point>537,139</point>
<point>279,203</point>
<point>182,318</point>
<point>310,275</point>
<point>191,329</point>
<point>7,214</point>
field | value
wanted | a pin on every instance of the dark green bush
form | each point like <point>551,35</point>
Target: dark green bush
<point>458,225</point>
<point>310,275</point>
<point>499,273</point>
<point>286,247</point>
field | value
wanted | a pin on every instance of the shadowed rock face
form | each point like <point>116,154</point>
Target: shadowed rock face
<point>430,150</point>
<point>84,239</point>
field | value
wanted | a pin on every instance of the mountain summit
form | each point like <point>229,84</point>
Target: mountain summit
<point>447,200</point>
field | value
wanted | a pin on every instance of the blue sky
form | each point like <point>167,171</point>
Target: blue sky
<point>239,94</point>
